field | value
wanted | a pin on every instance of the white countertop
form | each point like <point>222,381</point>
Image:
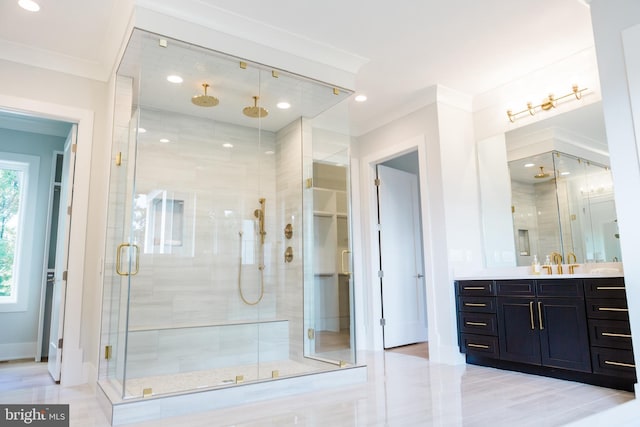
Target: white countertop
<point>584,271</point>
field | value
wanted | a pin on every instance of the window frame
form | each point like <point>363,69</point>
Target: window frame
<point>23,256</point>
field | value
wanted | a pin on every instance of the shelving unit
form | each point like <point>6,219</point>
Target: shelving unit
<point>331,239</point>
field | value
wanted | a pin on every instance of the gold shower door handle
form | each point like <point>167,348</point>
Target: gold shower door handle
<point>119,259</point>
<point>344,271</point>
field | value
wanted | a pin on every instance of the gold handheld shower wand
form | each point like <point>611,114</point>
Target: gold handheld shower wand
<point>259,213</point>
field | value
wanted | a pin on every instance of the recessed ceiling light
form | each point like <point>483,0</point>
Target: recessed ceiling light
<point>141,130</point>
<point>529,165</point>
<point>165,140</point>
<point>29,5</point>
<point>565,173</point>
<point>227,145</point>
<point>361,98</point>
<point>174,78</point>
<point>270,152</point>
<point>283,105</point>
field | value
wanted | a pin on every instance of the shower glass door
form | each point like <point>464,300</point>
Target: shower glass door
<point>205,257</point>
<point>328,272</point>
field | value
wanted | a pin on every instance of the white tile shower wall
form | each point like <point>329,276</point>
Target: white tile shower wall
<point>289,189</point>
<point>548,226</point>
<point>195,280</point>
<point>525,217</point>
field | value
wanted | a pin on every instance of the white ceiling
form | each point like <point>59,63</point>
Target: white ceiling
<point>467,45</point>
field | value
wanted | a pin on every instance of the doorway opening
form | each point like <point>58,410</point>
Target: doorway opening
<point>401,260</point>
<point>45,147</point>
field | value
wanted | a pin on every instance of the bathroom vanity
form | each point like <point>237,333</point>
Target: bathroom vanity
<point>570,327</point>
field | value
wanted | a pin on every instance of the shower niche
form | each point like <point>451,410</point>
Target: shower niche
<point>203,290</point>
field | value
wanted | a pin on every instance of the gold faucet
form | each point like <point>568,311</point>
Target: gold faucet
<point>574,264</point>
<point>557,259</point>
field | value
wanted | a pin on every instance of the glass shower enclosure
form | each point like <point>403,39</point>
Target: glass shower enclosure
<point>228,244</point>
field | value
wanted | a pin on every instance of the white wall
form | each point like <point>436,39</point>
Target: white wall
<point>618,74</point>
<point>442,132</point>
<point>63,96</point>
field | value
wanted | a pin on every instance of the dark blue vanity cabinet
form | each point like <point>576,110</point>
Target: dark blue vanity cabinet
<point>543,322</point>
<point>576,329</point>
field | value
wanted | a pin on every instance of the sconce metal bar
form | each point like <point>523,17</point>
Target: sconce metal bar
<point>548,103</point>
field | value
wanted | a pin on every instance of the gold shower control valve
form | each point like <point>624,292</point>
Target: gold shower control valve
<point>288,254</point>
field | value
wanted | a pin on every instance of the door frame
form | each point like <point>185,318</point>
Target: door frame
<point>74,368</point>
<point>372,296</point>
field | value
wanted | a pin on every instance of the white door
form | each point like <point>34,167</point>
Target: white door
<point>62,246</point>
<point>403,293</point>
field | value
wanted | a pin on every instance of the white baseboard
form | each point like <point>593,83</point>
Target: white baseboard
<point>18,350</point>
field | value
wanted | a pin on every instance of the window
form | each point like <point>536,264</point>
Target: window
<point>13,186</point>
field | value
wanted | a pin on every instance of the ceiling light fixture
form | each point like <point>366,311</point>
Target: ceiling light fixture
<point>360,98</point>
<point>141,130</point>
<point>29,5</point>
<point>164,140</point>
<point>529,165</point>
<point>174,78</point>
<point>227,145</point>
<point>548,103</point>
<point>283,105</point>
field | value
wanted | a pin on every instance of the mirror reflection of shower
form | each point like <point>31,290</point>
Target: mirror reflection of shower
<point>260,215</point>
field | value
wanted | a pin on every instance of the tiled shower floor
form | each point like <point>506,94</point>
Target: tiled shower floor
<point>188,381</point>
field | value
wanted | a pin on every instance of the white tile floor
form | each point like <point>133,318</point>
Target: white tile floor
<point>402,390</point>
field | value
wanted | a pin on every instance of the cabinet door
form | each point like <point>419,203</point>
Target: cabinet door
<point>564,337</point>
<point>517,330</point>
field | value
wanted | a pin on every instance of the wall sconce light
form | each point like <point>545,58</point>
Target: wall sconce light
<point>548,103</point>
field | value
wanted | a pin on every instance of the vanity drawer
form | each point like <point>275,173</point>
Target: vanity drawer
<point>478,323</point>
<point>610,333</point>
<point>481,345</point>
<point>560,288</point>
<point>516,288</point>
<point>477,304</point>
<point>476,288</point>
<point>612,309</point>
<point>613,362</point>
<point>605,288</point>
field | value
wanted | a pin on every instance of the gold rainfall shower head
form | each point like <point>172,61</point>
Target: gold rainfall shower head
<point>205,100</point>
<point>541,174</point>
<point>254,111</point>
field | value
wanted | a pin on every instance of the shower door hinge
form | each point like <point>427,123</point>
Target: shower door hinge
<point>376,182</point>
<point>383,322</point>
<point>311,334</point>
<point>107,352</point>
<point>309,182</point>
<point>119,159</point>
<point>59,343</point>
<point>68,210</point>
<point>380,274</point>
<point>74,148</point>
<point>64,275</point>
